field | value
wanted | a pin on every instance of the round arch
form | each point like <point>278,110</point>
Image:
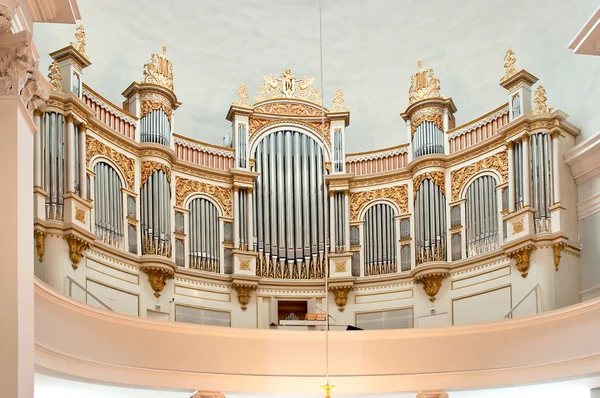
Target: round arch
<point>368,205</point>
<point>105,159</point>
<point>487,172</point>
<point>201,195</point>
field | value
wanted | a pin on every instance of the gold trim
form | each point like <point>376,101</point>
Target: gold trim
<point>228,294</point>
<point>348,155</point>
<point>200,308</point>
<point>482,273</point>
<point>467,124</point>
<point>136,295</point>
<point>509,285</point>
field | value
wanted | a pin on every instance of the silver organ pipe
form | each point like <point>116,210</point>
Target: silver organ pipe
<point>379,240</point>
<point>290,206</point>
<point>54,164</point>
<point>518,174</point>
<point>241,144</point>
<point>482,229</point>
<point>204,236</point>
<point>338,151</point>
<point>541,178</point>
<point>428,139</point>
<point>155,127</point>
<point>430,223</point>
<point>156,216</point>
<point>405,258</point>
<point>109,205</point>
<point>76,182</point>
<point>242,196</point>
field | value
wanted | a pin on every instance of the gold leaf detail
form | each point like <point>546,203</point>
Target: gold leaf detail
<point>125,164</point>
<point>185,187</point>
<point>149,106</point>
<point>398,194</point>
<point>423,84</point>
<point>498,162</point>
<point>436,176</point>
<point>149,167</point>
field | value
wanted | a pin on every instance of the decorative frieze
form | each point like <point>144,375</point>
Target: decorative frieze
<point>498,162</point>
<point>289,109</point>
<point>398,194</point>
<point>124,163</point>
<point>185,187</point>
<point>149,106</point>
<point>436,176</point>
<point>149,167</point>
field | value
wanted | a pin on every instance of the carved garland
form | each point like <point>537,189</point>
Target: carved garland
<point>498,162</point>
<point>288,109</point>
<point>256,125</point>
<point>149,167</point>
<point>435,118</point>
<point>149,106</point>
<point>398,194</point>
<point>436,176</point>
<point>125,164</point>
<point>185,187</point>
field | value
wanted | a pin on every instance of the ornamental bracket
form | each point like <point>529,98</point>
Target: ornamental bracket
<point>40,243</point>
<point>340,293</point>
<point>557,248</point>
<point>157,276</point>
<point>432,283</point>
<point>522,256</point>
<point>243,289</point>
<point>77,246</point>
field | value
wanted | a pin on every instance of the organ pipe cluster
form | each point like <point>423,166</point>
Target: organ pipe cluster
<point>155,127</point>
<point>156,215</point>
<point>380,240</point>
<point>108,205</point>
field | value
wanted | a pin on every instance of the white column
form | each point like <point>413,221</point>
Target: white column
<point>409,140</point>
<point>556,165</point>
<point>463,232</point>
<point>83,165</point>
<point>332,240</point>
<point>16,245</point>
<point>236,217</point>
<point>511,177</point>
<point>347,218</point>
<point>526,172</point>
<point>37,150</point>
<point>250,214</point>
<point>70,145</point>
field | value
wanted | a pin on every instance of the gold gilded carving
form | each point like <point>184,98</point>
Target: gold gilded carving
<point>256,125</point>
<point>40,243</point>
<point>434,118</point>
<point>157,276</point>
<point>149,167</point>
<point>432,394</point>
<point>398,194</point>
<point>522,256</point>
<point>517,226</point>
<point>127,165</point>
<point>54,77</point>
<point>341,295</point>
<point>509,65</point>
<point>539,99</point>
<point>243,291</point>
<point>498,162</point>
<point>185,187</point>
<point>251,163</point>
<point>76,248</point>
<point>245,265</point>
<point>287,86</point>
<point>149,106</point>
<point>328,167</point>
<point>288,109</point>
<point>159,70</point>
<point>80,40</point>
<point>436,176</point>
<point>243,96</point>
<point>432,283</point>
<point>557,248</point>
<point>340,266</point>
<point>423,85</point>
<point>338,102</point>
<point>80,215</point>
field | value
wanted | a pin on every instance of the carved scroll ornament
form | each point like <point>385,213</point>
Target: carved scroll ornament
<point>40,243</point>
<point>157,276</point>
<point>434,118</point>
<point>509,65</point>
<point>288,109</point>
<point>287,86</point>
<point>243,291</point>
<point>436,176</point>
<point>77,246</point>
<point>257,125</point>
<point>557,248</point>
<point>498,162</point>
<point>341,295</point>
<point>125,164</point>
<point>185,187</point>
<point>432,283</point>
<point>398,194</point>
<point>423,84</point>
<point>149,167</point>
<point>522,256</point>
<point>149,106</point>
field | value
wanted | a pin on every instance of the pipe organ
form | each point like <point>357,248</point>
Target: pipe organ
<point>286,202</point>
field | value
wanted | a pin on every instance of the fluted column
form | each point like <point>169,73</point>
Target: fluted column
<point>556,166</point>
<point>250,213</point>
<point>526,172</point>
<point>236,217</point>
<point>82,163</point>
<point>511,176</point>
<point>37,150</point>
<point>70,153</point>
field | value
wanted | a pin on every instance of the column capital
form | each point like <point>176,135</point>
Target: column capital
<point>70,119</point>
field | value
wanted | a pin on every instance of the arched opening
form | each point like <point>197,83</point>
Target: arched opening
<point>108,208</point>
<point>379,240</point>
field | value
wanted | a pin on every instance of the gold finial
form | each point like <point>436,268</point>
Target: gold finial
<point>55,77</point>
<point>423,84</point>
<point>242,95</point>
<point>338,102</point>
<point>539,100</point>
<point>288,86</point>
<point>509,65</point>
<point>80,40</point>
<point>327,388</point>
<point>159,70</point>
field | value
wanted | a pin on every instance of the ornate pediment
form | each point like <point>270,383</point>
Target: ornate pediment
<point>288,86</point>
<point>159,70</point>
<point>423,84</point>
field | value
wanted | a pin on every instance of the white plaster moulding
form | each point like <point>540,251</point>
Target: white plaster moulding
<point>583,159</point>
<point>588,207</point>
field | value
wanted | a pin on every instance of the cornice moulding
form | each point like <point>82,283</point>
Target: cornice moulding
<point>583,159</point>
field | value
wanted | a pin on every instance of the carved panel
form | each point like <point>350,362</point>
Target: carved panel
<point>398,194</point>
<point>125,164</point>
<point>498,162</point>
<point>149,106</point>
<point>257,125</point>
<point>436,176</point>
<point>185,187</point>
<point>289,109</point>
<point>149,167</point>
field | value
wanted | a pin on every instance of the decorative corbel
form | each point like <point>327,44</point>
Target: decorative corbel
<point>243,291</point>
<point>341,295</point>
<point>432,283</point>
<point>521,256</point>
<point>40,243</point>
<point>157,276</point>
<point>77,246</point>
<point>558,247</point>
<point>432,394</point>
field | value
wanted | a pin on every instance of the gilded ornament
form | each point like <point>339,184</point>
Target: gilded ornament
<point>287,86</point>
<point>434,118</point>
<point>242,95</point>
<point>149,106</point>
<point>40,243</point>
<point>258,125</point>
<point>288,109</point>
<point>436,176</point>
<point>517,226</point>
<point>522,256</point>
<point>80,215</point>
<point>498,162</point>
<point>432,283</point>
<point>423,84</point>
<point>397,194</point>
<point>557,248</point>
<point>338,102</point>
<point>125,164</point>
<point>185,187</point>
<point>251,163</point>
<point>150,167</point>
<point>159,70</point>
<point>245,265</point>
<point>328,167</point>
<point>157,276</point>
<point>340,266</point>
<point>243,291</point>
<point>80,40</point>
<point>539,99</point>
<point>432,394</point>
<point>76,248</point>
<point>54,77</point>
<point>341,295</point>
<point>509,65</point>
